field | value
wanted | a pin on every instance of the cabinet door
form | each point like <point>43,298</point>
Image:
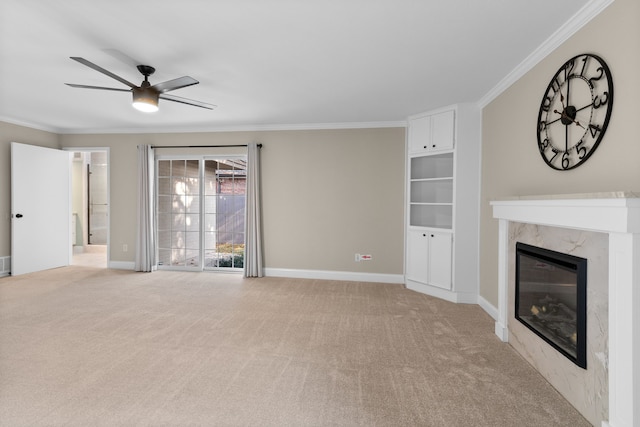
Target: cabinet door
<point>440,260</point>
<point>442,131</point>
<point>417,256</point>
<point>419,134</point>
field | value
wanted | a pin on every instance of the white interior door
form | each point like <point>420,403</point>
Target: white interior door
<point>40,208</point>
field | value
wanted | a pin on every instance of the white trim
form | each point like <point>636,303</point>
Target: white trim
<point>575,23</point>
<point>243,128</point>
<point>31,125</point>
<point>445,294</point>
<point>350,276</point>
<point>431,112</point>
<point>122,265</point>
<point>491,309</point>
<point>502,322</point>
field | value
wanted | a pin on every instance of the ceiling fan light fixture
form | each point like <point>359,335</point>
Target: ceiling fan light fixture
<point>145,99</point>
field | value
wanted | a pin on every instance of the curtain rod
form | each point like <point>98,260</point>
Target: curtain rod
<point>201,146</point>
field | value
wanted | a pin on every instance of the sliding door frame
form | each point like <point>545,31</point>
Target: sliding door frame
<point>201,158</point>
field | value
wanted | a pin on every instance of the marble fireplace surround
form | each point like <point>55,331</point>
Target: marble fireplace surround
<point>618,215</point>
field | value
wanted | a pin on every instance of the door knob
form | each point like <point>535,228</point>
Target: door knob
<point>18,215</point>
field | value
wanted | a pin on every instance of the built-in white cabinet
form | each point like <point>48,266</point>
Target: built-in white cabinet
<point>431,132</point>
<point>429,260</point>
<point>443,176</point>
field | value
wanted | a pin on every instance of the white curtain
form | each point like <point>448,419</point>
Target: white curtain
<point>253,228</point>
<point>145,235</point>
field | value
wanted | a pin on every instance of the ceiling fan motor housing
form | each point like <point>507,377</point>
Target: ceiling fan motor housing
<point>146,70</point>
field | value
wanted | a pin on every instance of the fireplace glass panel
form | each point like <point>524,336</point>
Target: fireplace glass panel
<point>551,298</point>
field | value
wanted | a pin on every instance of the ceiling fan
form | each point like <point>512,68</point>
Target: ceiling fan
<point>145,96</point>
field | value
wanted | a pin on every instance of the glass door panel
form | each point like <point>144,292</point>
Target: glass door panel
<point>179,213</point>
<point>225,183</point>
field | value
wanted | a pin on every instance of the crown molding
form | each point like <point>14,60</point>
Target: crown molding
<point>576,22</point>
<point>30,125</point>
<point>244,128</point>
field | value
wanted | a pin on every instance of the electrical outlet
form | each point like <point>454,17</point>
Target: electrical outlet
<point>357,257</point>
<point>125,247</point>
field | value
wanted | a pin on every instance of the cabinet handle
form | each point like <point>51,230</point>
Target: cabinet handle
<point>424,235</point>
<point>425,147</point>
<point>434,145</point>
<point>432,235</point>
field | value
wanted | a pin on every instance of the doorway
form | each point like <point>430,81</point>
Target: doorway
<point>90,207</point>
<point>200,212</point>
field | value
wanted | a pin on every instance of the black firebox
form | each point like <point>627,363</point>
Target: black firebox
<point>551,299</point>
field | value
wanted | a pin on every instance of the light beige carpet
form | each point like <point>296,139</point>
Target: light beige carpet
<point>85,346</point>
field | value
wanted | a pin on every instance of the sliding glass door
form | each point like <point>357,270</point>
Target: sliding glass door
<point>201,208</point>
<point>224,212</point>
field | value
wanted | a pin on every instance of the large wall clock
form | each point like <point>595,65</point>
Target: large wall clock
<point>575,111</point>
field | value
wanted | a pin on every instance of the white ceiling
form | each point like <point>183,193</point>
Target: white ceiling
<point>264,63</point>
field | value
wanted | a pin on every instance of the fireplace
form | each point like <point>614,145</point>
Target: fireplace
<point>551,298</point>
<point>605,229</point>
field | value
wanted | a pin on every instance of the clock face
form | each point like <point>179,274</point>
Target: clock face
<point>575,111</point>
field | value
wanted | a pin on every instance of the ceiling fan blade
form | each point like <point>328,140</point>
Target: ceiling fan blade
<point>102,70</point>
<point>188,101</point>
<point>97,87</point>
<point>174,84</point>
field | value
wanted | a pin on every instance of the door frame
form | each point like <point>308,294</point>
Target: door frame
<point>108,151</point>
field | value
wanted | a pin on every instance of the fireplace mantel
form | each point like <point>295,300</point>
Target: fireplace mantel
<point>618,215</point>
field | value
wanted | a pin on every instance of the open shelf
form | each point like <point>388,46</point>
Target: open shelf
<point>431,215</point>
<point>432,166</point>
<point>432,191</point>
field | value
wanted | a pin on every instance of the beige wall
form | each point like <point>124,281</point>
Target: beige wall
<point>331,193</point>
<point>511,162</point>
<point>327,193</point>
<point>12,133</point>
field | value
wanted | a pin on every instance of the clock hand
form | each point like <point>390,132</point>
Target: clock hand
<point>586,106</point>
<point>562,101</point>
<point>578,123</point>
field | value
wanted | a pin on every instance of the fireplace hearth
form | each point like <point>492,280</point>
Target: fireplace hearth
<point>551,298</point>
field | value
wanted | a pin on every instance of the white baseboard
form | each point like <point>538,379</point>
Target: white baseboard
<point>334,275</point>
<point>303,274</point>
<point>122,265</point>
<point>488,307</point>
<point>445,294</point>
